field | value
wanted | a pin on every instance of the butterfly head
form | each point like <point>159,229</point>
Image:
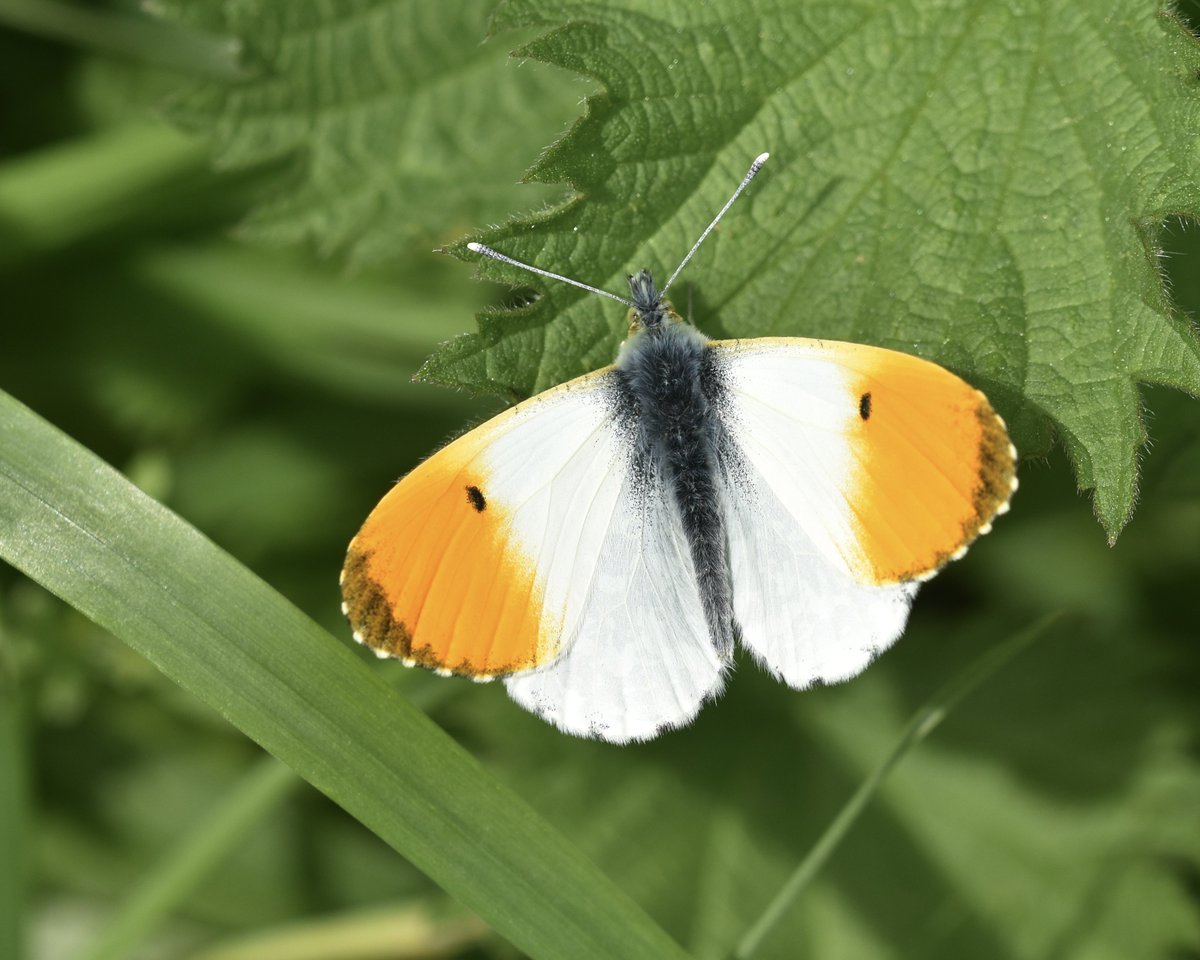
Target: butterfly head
<point>649,309</point>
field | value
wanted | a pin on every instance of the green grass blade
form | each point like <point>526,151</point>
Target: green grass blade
<point>75,525</point>
<point>923,722</point>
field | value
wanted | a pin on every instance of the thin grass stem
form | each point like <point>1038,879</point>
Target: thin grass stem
<point>259,792</point>
<point>922,723</point>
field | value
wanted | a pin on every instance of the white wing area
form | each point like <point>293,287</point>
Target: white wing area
<point>558,470</point>
<point>804,618</point>
<point>801,613</point>
<point>614,568</point>
<point>637,657</point>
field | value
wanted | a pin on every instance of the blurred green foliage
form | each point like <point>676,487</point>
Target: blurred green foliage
<point>263,394</point>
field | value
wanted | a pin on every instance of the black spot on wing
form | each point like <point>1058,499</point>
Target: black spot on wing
<point>864,406</point>
<point>476,498</point>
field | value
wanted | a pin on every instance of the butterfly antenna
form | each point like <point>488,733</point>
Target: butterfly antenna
<point>496,255</point>
<point>754,168</point>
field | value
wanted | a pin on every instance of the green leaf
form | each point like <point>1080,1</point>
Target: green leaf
<point>76,526</point>
<point>980,184</point>
<point>350,337</point>
<point>392,124</point>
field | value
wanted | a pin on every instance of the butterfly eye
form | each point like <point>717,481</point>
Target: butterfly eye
<point>476,498</point>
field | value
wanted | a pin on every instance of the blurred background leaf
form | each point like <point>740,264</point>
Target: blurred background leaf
<point>391,123</point>
<point>264,394</point>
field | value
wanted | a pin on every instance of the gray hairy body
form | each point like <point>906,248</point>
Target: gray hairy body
<point>669,384</point>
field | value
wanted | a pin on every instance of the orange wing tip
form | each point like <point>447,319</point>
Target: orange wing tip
<point>377,625</point>
<point>992,497</point>
<point>934,466</point>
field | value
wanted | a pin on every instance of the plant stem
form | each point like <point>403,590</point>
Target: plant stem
<point>203,848</point>
<point>254,796</point>
<point>922,723</point>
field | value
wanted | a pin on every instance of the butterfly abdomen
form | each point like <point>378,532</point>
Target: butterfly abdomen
<point>669,383</point>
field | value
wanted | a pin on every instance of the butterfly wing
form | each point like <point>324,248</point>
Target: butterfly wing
<point>535,548</point>
<point>640,658</point>
<point>851,474</point>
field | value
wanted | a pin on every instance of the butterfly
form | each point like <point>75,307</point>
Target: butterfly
<point>603,546</point>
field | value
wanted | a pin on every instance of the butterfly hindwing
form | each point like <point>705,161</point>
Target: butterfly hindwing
<point>640,658</point>
<point>806,618</point>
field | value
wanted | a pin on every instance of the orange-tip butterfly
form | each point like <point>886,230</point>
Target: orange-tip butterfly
<point>603,545</point>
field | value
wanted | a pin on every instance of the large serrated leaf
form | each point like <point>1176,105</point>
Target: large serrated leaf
<point>379,113</point>
<point>981,184</point>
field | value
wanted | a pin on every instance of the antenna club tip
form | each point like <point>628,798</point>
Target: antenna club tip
<point>475,247</point>
<point>761,159</point>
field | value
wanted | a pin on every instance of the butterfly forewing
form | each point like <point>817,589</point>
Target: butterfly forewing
<point>471,563</point>
<point>891,463</point>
